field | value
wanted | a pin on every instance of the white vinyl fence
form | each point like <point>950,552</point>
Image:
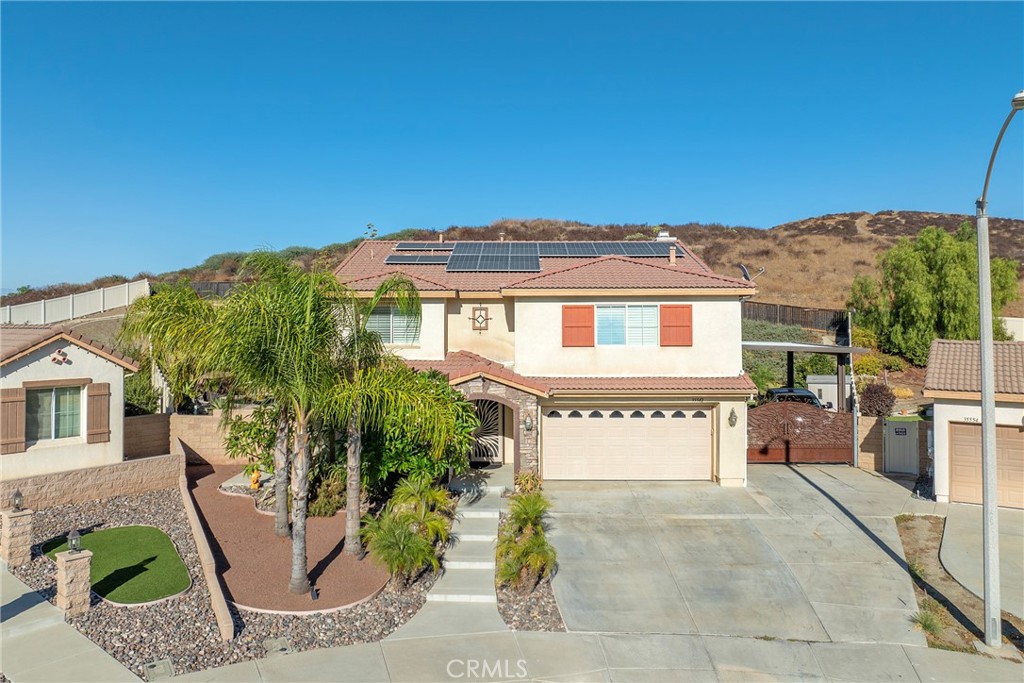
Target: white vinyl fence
<point>75,305</point>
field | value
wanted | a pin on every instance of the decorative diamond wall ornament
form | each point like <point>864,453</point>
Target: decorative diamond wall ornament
<point>479,318</point>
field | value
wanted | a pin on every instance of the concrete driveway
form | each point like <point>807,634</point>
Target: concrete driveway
<point>962,553</point>
<point>805,553</point>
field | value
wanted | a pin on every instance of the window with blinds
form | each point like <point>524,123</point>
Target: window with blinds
<point>627,325</point>
<point>53,413</point>
<point>393,326</point>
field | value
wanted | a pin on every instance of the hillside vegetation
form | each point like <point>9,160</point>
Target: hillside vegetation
<point>811,262</point>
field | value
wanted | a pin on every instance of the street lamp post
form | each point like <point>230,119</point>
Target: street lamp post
<point>990,509</point>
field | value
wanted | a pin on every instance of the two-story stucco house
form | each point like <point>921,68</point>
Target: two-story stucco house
<point>586,360</point>
<point>61,401</point>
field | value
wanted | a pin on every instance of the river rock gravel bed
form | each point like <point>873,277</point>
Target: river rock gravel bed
<point>183,628</point>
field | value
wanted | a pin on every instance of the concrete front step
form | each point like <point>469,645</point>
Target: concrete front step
<point>464,585</point>
<point>470,564</point>
<point>476,525</point>
<point>472,550</point>
<point>479,514</point>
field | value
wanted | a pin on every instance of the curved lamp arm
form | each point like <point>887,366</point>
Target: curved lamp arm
<point>1016,104</point>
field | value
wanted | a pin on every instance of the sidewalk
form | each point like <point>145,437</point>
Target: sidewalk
<point>37,645</point>
<point>962,553</point>
<point>512,656</point>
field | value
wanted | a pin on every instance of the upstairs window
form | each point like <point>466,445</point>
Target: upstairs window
<point>393,326</point>
<point>53,413</point>
<point>627,325</point>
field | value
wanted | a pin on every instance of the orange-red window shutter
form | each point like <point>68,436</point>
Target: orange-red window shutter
<point>577,325</point>
<point>97,412</point>
<point>12,420</point>
<point>677,325</point>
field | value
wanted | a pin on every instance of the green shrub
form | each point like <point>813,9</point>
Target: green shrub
<point>251,438</point>
<point>328,497</point>
<point>140,396</point>
<point>526,511</point>
<point>393,542</point>
<point>862,336</point>
<point>893,363</point>
<point>876,400</point>
<point>427,509</point>
<point>525,559</point>
<point>868,364</point>
<point>527,482</point>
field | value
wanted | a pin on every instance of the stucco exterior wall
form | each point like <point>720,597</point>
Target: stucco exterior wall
<point>716,350</point>
<point>59,455</point>
<point>433,331</point>
<point>948,410</point>
<point>497,342</point>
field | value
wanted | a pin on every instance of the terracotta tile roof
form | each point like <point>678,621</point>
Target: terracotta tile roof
<point>17,339</point>
<point>956,366</point>
<point>741,384</point>
<point>366,262</point>
<point>620,272</point>
<point>371,282</point>
<point>459,365</point>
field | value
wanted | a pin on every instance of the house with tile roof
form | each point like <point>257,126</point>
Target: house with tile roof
<point>61,401</point>
<point>953,380</point>
<point>586,360</point>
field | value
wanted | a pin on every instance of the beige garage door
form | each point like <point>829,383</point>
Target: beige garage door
<point>965,464</point>
<point>626,443</point>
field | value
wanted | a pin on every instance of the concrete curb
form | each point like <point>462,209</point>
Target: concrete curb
<point>217,601</point>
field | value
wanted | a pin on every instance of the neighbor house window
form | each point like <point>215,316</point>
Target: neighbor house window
<point>627,325</point>
<point>393,326</point>
<point>53,413</point>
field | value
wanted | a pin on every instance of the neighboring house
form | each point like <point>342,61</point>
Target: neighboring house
<point>954,382</point>
<point>62,401</point>
<point>586,360</point>
<point>826,388</point>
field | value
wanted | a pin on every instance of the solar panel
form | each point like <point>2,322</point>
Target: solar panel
<point>425,246</point>
<point>466,248</point>
<point>494,263</point>
<point>525,248</point>
<point>420,259</point>
<point>496,248</point>
<point>662,248</point>
<point>552,249</point>
<point>524,264</point>
<point>464,263</point>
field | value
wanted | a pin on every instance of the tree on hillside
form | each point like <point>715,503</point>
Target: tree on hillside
<point>929,290</point>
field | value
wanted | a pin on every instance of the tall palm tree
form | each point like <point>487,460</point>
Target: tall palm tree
<point>362,351</point>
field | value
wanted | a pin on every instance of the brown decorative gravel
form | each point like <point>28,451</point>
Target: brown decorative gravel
<point>255,564</point>
<point>183,628</point>
<point>536,611</point>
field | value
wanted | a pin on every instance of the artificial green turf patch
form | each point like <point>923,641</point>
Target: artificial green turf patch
<point>130,564</point>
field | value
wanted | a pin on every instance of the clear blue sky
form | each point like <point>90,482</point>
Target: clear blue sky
<point>148,136</point>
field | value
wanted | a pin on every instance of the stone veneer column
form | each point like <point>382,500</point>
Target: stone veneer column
<point>16,539</point>
<point>73,585</point>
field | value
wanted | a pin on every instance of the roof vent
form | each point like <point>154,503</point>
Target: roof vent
<point>440,237</point>
<point>663,236</point>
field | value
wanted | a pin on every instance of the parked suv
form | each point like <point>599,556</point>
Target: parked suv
<point>792,394</point>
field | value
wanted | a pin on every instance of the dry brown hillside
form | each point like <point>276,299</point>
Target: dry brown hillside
<point>810,262</point>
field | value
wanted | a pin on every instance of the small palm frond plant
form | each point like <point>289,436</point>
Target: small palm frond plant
<point>527,511</point>
<point>392,541</point>
<point>527,482</point>
<point>524,560</point>
<point>419,493</point>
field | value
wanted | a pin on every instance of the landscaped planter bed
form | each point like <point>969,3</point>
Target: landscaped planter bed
<point>183,628</point>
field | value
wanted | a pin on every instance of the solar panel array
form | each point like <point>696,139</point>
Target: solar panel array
<point>410,259</point>
<point>521,257</point>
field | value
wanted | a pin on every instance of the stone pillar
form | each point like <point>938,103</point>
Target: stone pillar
<point>16,539</point>
<point>73,585</point>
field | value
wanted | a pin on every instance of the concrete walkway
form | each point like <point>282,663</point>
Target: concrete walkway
<point>463,601</point>
<point>962,553</point>
<point>37,645</point>
<point>512,656</point>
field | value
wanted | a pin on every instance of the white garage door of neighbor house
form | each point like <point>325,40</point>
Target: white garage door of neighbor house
<point>965,464</point>
<point>626,443</point>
